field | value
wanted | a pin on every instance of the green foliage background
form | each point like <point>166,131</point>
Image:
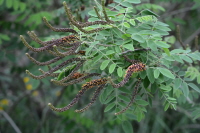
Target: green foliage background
<point>28,107</point>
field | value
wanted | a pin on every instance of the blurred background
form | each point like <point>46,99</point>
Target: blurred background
<point>23,100</point>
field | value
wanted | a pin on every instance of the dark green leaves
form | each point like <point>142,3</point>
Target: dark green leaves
<point>162,44</point>
<point>129,46</point>
<point>119,72</point>
<point>109,107</point>
<point>132,21</point>
<point>156,73</point>
<point>195,56</point>
<point>138,38</point>
<point>193,86</point>
<point>134,1</point>
<point>166,72</point>
<point>150,75</point>
<point>127,127</point>
<point>104,64</point>
<point>112,68</point>
<point>177,83</point>
<point>185,89</point>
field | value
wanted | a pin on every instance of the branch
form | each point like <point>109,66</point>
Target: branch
<point>142,49</point>
<point>178,34</point>
<point>12,123</point>
<point>189,39</point>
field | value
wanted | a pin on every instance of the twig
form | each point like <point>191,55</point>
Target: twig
<point>176,12</point>
<point>12,123</point>
<point>189,39</point>
<point>106,45</point>
<point>178,35</point>
<point>142,49</point>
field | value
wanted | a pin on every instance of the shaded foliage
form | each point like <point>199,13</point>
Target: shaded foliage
<point>24,98</point>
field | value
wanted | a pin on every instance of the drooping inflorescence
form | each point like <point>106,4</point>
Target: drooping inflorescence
<point>136,67</point>
<point>72,67</point>
<point>84,88</point>
<point>94,98</point>
<point>94,83</point>
<point>134,93</point>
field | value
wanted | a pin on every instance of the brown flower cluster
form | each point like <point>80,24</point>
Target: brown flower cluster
<point>68,47</point>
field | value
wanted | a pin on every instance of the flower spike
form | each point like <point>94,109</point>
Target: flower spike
<point>48,73</point>
<point>136,67</point>
<point>58,29</point>
<point>135,91</point>
<point>94,98</point>
<point>80,79</point>
<point>43,63</point>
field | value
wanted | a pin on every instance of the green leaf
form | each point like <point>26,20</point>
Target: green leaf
<point>104,33</point>
<point>177,51</point>
<point>122,104</point>
<point>134,1</point>
<point>16,4</point>
<point>127,25</point>
<point>9,3</point>
<point>177,58</point>
<point>166,72</point>
<point>4,37</point>
<point>118,32</point>
<point>129,46</point>
<point>161,23</point>
<point>22,6</point>
<point>167,51</point>
<point>142,102</point>
<point>177,83</point>
<point>1,2</point>
<point>164,28</point>
<point>119,72</point>
<point>194,56</point>
<point>149,12</point>
<point>124,98</point>
<point>198,79</point>
<point>124,90</point>
<point>109,107</point>
<point>92,13</point>
<point>97,58</point>
<point>112,68</point>
<point>109,52</point>
<point>109,90</point>
<point>126,4</point>
<point>197,116</point>
<point>156,73</point>
<point>104,64</point>
<point>138,38</point>
<point>165,88</point>
<point>166,106</point>
<point>127,127</point>
<point>193,86</point>
<point>132,21</point>
<point>186,58</point>
<point>109,99</point>
<point>185,89</point>
<point>61,75</point>
<point>152,45</point>
<point>150,75</point>
<point>143,74</point>
<point>162,44</point>
<point>196,113</point>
